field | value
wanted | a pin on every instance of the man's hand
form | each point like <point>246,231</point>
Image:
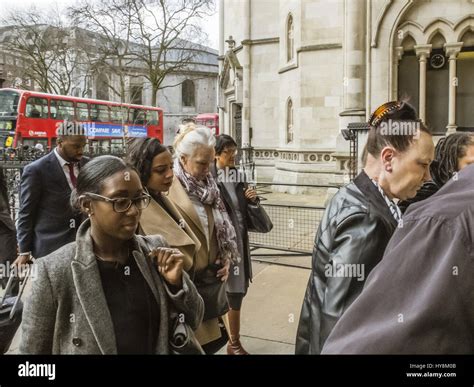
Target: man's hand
<point>170,265</point>
<point>22,260</point>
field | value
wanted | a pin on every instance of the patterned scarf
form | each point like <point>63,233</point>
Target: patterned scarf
<point>207,192</point>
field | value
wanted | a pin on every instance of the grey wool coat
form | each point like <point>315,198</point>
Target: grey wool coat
<point>67,311</point>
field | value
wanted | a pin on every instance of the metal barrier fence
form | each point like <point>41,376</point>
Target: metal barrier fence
<point>294,229</point>
<point>294,226</point>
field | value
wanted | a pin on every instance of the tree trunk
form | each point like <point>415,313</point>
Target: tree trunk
<point>154,92</point>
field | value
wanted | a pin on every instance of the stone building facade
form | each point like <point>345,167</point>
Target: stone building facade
<point>294,73</point>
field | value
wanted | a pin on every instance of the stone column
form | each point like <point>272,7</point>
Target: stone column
<point>221,98</point>
<point>422,52</point>
<point>354,78</point>
<point>396,60</point>
<point>452,51</point>
<point>354,57</point>
<point>246,79</point>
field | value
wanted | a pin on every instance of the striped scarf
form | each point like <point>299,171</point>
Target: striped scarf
<point>394,209</point>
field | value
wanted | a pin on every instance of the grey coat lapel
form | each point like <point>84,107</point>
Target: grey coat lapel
<point>88,284</point>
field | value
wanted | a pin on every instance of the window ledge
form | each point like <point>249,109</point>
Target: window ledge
<point>290,66</point>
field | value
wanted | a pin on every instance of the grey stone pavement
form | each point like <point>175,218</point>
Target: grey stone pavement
<point>271,309</point>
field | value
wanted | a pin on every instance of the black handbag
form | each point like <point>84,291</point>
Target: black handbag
<point>11,310</point>
<point>182,338</point>
<point>258,219</point>
<point>212,291</point>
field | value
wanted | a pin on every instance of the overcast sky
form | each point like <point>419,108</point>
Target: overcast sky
<point>211,26</point>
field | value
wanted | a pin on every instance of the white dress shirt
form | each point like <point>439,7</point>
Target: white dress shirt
<point>65,168</point>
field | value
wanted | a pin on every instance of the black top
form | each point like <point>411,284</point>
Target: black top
<point>132,306</point>
<point>427,190</point>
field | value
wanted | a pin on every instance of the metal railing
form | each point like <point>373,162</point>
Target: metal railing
<point>294,229</point>
<point>294,225</point>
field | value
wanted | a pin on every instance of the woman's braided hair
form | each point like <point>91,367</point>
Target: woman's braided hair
<point>448,151</point>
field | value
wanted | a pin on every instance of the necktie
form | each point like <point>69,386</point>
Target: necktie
<point>71,174</point>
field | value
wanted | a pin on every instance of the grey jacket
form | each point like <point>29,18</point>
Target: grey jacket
<point>352,236</point>
<point>67,311</point>
<point>238,280</point>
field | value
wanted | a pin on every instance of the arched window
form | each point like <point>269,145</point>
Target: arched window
<point>290,39</point>
<point>102,87</point>
<point>289,121</point>
<point>188,93</point>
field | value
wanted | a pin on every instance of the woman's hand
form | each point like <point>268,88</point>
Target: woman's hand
<point>251,195</point>
<point>170,265</point>
<point>223,273</point>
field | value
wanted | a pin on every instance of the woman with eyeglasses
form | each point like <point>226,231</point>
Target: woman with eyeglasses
<point>110,291</point>
<point>238,198</point>
<point>154,164</point>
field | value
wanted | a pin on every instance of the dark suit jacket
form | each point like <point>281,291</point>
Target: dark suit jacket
<point>353,234</point>
<point>46,220</point>
<point>419,299</point>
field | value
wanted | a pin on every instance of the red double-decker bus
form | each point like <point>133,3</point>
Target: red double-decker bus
<point>211,120</point>
<point>29,118</point>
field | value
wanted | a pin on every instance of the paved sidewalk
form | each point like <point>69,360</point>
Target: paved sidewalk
<point>271,309</point>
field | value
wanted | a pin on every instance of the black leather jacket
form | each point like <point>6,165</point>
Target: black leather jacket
<point>350,241</point>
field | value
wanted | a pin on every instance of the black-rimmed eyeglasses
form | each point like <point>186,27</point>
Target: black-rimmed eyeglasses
<point>121,205</point>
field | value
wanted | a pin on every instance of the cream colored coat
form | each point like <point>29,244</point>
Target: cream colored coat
<point>156,220</point>
<point>206,254</point>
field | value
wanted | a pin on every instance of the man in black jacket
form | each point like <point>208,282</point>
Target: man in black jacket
<point>361,218</point>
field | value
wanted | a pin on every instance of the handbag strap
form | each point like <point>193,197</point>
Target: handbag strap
<point>10,283</point>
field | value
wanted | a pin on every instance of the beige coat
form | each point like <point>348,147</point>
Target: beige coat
<point>209,330</point>
<point>156,220</point>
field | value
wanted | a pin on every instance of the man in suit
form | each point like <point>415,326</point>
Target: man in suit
<point>46,220</point>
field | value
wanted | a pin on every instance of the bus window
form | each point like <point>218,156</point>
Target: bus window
<point>152,117</point>
<point>116,114</point>
<point>62,110</point>
<point>99,113</point>
<point>116,145</point>
<point>36,108</point>
<point>137,117</point>
<point>9,103</point>
<point>82,111</point>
